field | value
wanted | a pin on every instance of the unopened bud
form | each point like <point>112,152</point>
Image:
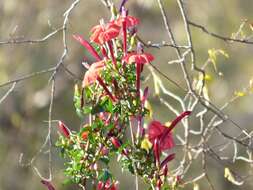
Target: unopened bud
<point>158,184</point>
<point>115,142</point>
<point>64,129</point>
<point>100,185</point>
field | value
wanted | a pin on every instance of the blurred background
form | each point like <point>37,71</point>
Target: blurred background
<point>24,113</point>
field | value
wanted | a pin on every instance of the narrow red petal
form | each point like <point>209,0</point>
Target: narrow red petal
<point>178,119</point>
<point>157,151</point>
<point>167,159</point>
<point>101,82</point>
<point>174,123</point>
<point>112,53</point>
<point>87,45</point>
<point>115,142</point>
<point>138,78</point>
<point>124,37</point>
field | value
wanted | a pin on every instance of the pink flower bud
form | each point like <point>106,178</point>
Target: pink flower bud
<point>100,185</point>
<point>64,129</point>
<point>115,142</point>
<point>158,184</point>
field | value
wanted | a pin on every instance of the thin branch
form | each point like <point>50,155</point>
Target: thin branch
<point>31,41</point>
<point>28,76</point>
<point>8,92</point>
<point>224,38</point>
<point>64,37</point>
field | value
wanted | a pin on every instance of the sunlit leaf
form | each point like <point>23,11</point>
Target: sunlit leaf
<point>146,144</point>
<point>251,26</point>
<point>148,106</point>
<point>240,93</point>
<point>230,177</point>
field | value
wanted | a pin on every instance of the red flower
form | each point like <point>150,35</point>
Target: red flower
<point>139,59</point>
<point>92,75</point>
<point>107,185</point>
<point>129,20</point>
<point>126,22</point>
<point>158,131</point>
<point>87,46</point>
<point>64,129</point>
<point>167,159</point>
<point>155,131</point>
<point>115,142</point>
<point>104,33</point>
<point>93,72</point>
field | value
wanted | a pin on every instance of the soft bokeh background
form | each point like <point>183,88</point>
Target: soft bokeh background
<point>24,112</point>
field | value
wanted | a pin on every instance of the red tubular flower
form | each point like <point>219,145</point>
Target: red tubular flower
<point>155,131</point>
<point>139,60</point>
<point>87,46</point>
<point>104,52</point>
<point>48,184</point>
<point>163,133</point>
<point>104,33</point>
<point>100,185</point>
<point>112,53</point>
<point>174,123</point>
<point>101,82</point>
<point>64,129</point>
<point>167,159</point>
<point>126,21</point>
<point>92,75</point>
<point>115,142</point>
<point>108,185</point>
<point>130,20</point>
<point>158,184</point>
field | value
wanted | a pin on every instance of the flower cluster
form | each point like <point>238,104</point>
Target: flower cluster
<point>111,96</point>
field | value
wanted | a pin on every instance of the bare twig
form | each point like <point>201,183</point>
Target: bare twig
<point>8,92</point>
<point>224,38</point>
<point>30,41</point>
